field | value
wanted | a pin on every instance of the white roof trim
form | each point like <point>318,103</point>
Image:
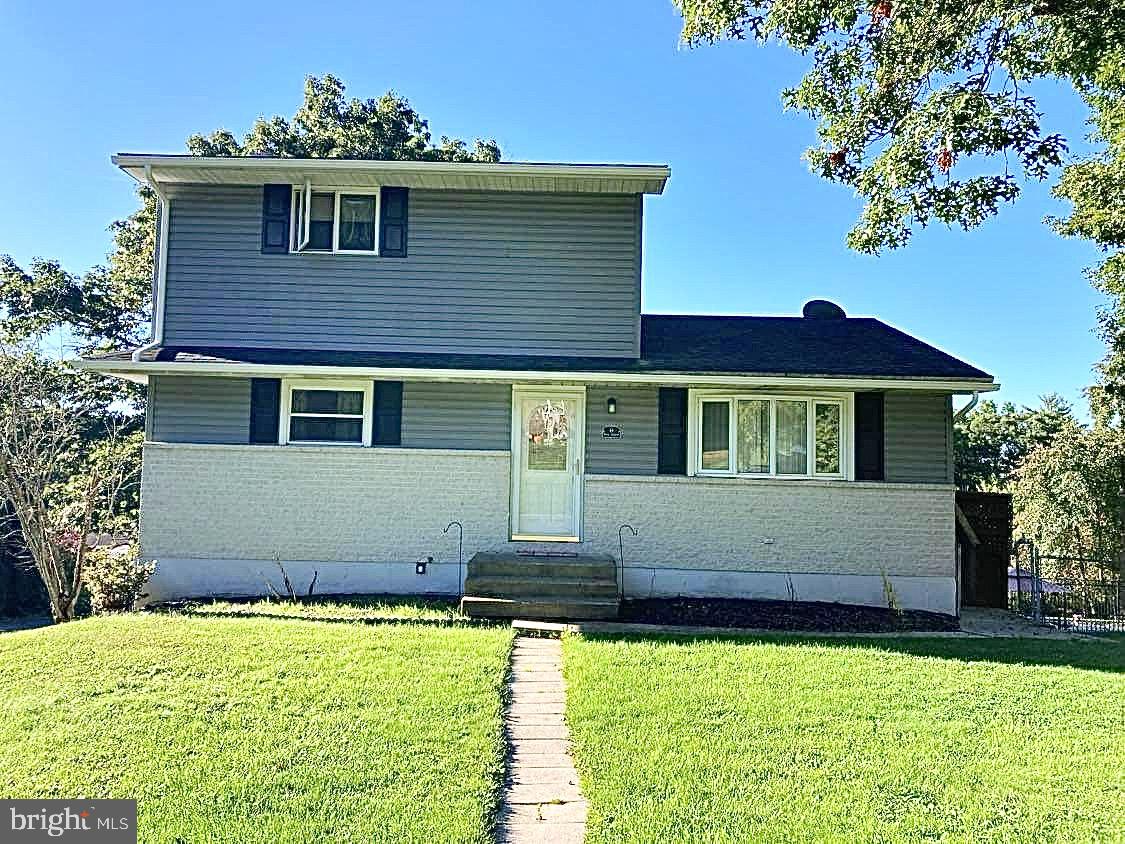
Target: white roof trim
<point>169,170</point>
<point>140,370</point>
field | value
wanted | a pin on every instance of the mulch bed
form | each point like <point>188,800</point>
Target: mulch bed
<point>782,615</point>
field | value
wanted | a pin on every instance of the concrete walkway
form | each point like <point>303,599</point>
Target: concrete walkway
<point>542,798</point>
<point>980,621</point>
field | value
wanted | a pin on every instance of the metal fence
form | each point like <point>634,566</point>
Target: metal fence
<point>1071,593</point>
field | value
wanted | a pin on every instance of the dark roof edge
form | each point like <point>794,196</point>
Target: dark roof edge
<point>122,362</point>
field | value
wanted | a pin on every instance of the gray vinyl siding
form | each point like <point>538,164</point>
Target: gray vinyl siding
<point>918,438</point>
<point>490,273</point>
<point>453,415</point>
<point>192,409</point>
<point>189,409</point>
<point>637,417</point>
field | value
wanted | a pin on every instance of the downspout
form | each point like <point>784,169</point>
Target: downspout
<point>157,336</point>
<point>960,414</point>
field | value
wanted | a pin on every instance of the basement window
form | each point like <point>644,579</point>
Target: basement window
<point>326,412</point>
<point>755,435</point>
<point>335,221</point>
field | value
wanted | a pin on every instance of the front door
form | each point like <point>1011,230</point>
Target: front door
<point>547,455</point>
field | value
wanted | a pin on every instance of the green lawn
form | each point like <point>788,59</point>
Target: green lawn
<point>357,608</point>
<point>852,740</point>
<point>260,730</point>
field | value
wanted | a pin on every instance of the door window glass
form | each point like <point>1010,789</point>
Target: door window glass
<point>548,437</point>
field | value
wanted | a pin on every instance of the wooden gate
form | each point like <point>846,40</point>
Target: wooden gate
<point>984,545</point>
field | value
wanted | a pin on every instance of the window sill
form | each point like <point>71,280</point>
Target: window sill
<point>360,252</point>
<point>326,252</point>
<point>324,444</point>
<point>785,478</point>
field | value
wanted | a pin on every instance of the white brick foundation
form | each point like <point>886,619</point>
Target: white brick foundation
<point>725,537</point>
<point>214,517</point>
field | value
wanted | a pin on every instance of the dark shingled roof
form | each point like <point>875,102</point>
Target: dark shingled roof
<point>853,346</point>
<point>702,345</point>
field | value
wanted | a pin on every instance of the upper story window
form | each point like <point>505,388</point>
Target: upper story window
<point>345,220</point>
<point>770,436</point>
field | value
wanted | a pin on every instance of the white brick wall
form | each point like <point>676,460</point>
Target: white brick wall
<point>214,516</point>
<point>723,537</point>
<point>774,526</point>
<point>234,502</point>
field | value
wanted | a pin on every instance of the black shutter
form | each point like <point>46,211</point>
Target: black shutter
<point>265,409</point>
<point>869,437</point>
<point>388,413</point>
<point>671,456</point>
<point>275,217</point>
<point>392,228</point>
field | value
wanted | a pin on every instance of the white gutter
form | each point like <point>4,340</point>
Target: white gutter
<point>124,369</point>
<point>960,414</point>
<point>161,268</point>
<point>438,175</point>
<point>514,168</point>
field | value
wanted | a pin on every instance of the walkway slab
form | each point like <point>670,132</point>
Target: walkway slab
<point>548,696</point>
<point>535,708</point>
<point>533,746</point>
<point>519,730</point>
<point>542,796</point>
<point>540,719</point>
<point>539,760</point>
<point>560,773</point>
<point>574,812</point>
<point>544,832</point>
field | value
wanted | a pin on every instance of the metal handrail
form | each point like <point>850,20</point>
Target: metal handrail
<point>460,553</point>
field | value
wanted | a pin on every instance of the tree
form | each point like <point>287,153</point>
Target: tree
<point>107,307</point>
<point>1070,497</point>
<point>1096,189</point>
<point>991,442</point>
<point>924,107</point>
<point>328,126</point>
<point>59,488</point>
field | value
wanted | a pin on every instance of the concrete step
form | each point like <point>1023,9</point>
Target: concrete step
<point>580,565</point>
<point>518,587</point>
<point>539,606</point>
<point>570,569</point>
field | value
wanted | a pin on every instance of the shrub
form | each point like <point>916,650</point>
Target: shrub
<point>114,577</point>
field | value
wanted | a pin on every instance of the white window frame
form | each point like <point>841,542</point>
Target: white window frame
<point>845,401</point>
<point>302,194</point>
<point>288,385</point>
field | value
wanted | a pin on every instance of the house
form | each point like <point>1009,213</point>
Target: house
<point>349,356</point>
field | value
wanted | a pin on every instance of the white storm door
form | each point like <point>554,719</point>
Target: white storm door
<point>548,439</point>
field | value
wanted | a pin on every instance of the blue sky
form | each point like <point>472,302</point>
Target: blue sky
<point>743,227</point>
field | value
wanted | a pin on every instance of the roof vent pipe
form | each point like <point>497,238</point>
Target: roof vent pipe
<point>822,309</point>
